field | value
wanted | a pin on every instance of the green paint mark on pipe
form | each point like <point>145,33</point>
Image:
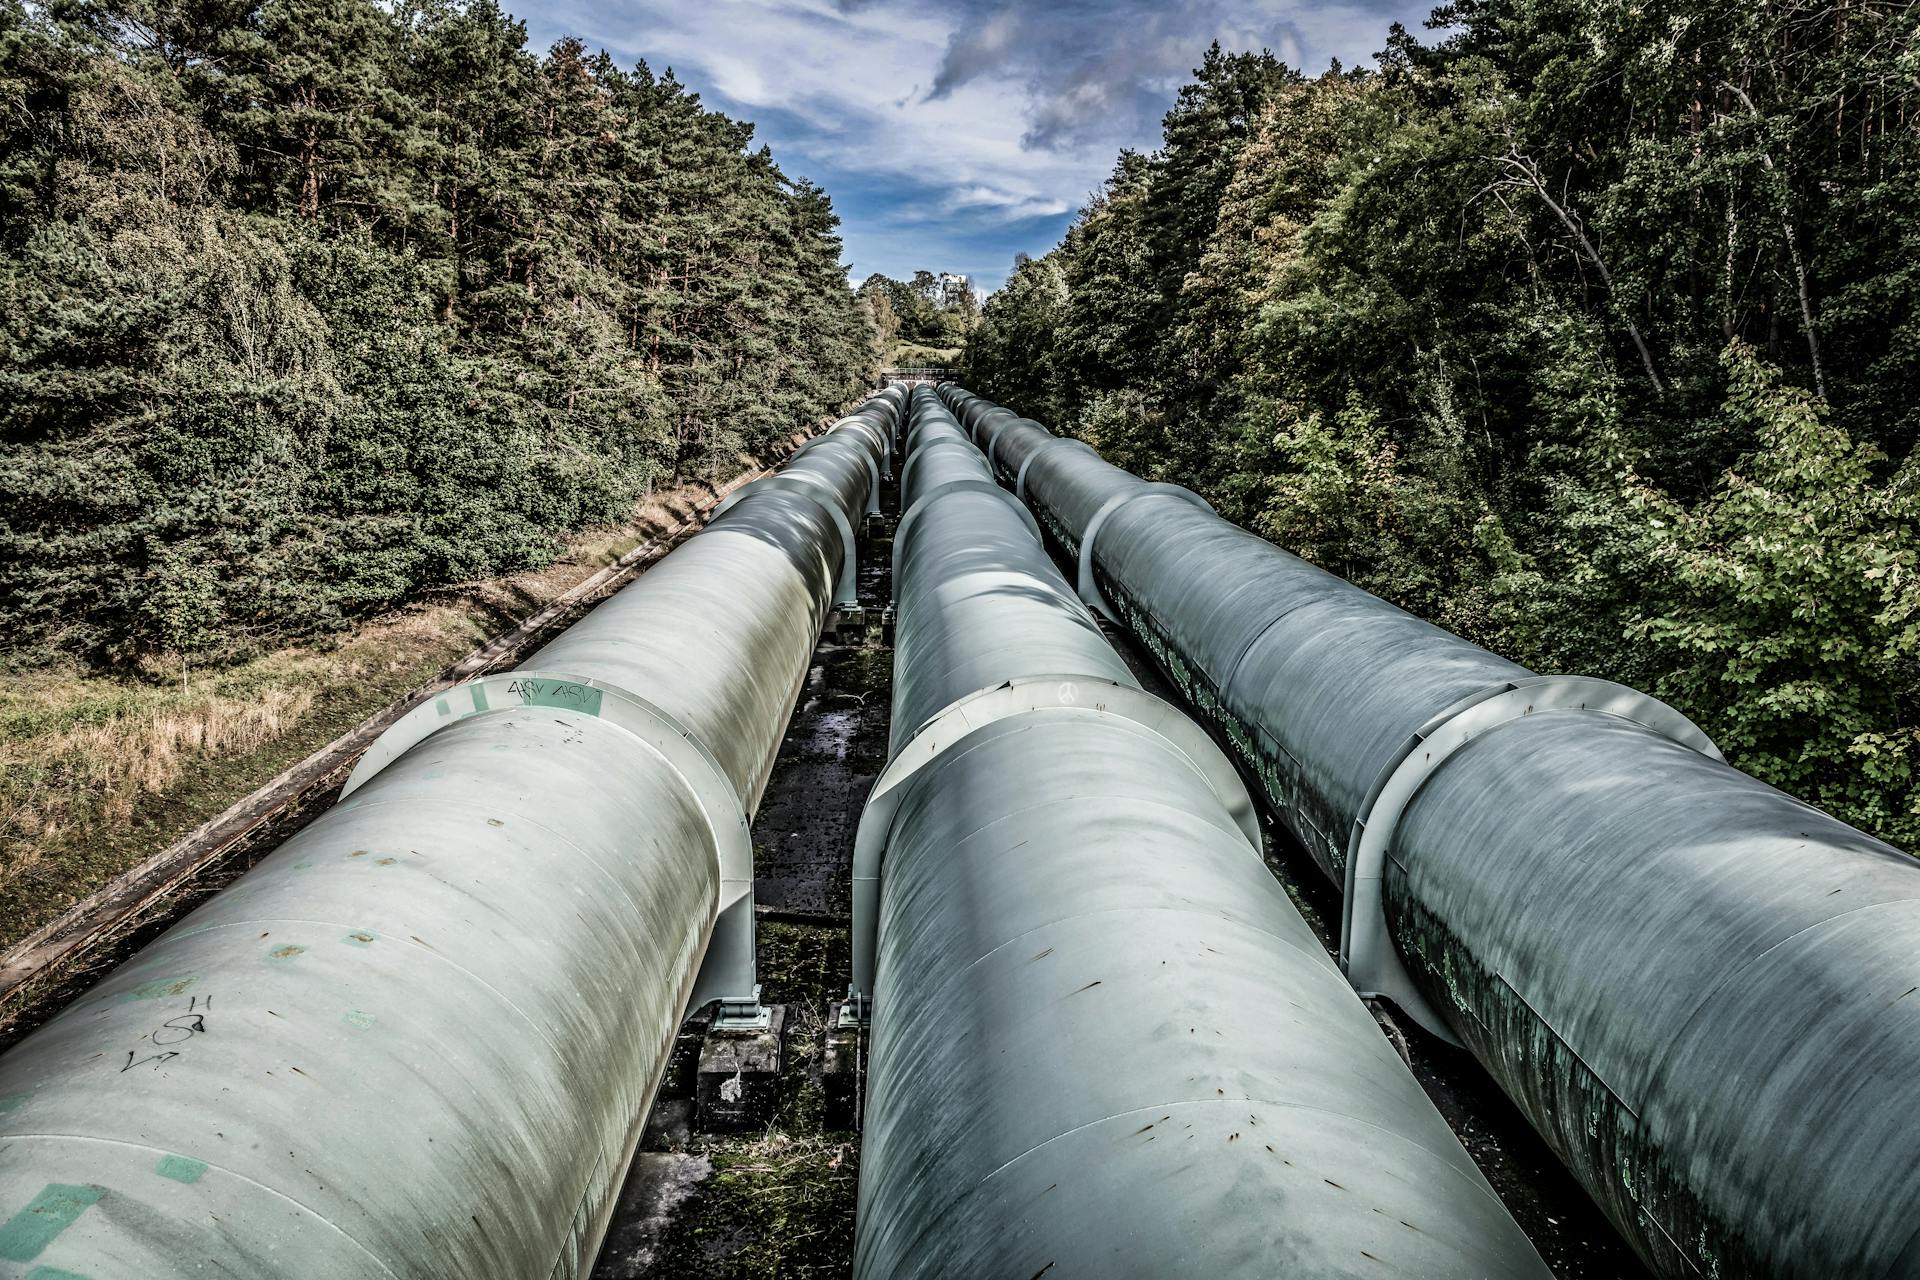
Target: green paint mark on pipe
<point>441,706</point>
<point>32,1229</point>
<point>161,988</point>
<point>358,1019</point>
<point>55,1273</point>
<point>479,697</point>
<point>558,693</point>
<point>285,952</point>
<point>181,1168</point>
<point>359,938</point>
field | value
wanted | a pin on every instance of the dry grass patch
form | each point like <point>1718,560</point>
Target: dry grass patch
<point>97,771</point>
<point>103,768</point>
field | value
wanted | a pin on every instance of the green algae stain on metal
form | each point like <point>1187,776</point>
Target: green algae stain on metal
<point>55,1273</point>
<point>28,1232</point>
<point>13,1102</point>
<point>181,1168</point>
<point>162,988</point>
<point>358,1019</point>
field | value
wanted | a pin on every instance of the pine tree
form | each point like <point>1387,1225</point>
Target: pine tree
<point>315,303</point>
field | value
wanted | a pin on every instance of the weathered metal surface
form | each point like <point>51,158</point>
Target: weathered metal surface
<point>940,455</point>
<point>1104,1042</point>
<point>1084,581</point>
<point>1699,990</point>
<point>419,1039</point>
<point>1367,953</point>
<point>958,628</point>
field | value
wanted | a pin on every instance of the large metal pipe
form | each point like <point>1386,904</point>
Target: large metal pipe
<point>1699,990</point>
<point>420,1039</point>
<point>1104,1042</point>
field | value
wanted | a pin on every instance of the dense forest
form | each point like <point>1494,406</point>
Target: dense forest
<point>312,303</point>
<point>934,311</point>
<point>1591,332</point>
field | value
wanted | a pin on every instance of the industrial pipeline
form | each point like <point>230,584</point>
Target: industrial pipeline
<point>420,1038</point>
<point>1104,1042</point>
<point>1699,990</point>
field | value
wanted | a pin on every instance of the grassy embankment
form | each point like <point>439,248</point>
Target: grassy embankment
<point>100,770</point>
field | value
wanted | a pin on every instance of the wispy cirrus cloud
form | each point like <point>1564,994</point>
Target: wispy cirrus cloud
<point>953,135</point>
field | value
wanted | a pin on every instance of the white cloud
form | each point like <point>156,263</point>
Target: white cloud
<point>991,113</point>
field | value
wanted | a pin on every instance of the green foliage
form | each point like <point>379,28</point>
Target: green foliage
<point>1774,621</point>
<point>931,311</point>
<point>1009,355</point>
<point>1586,332</point>
<point>180,603</point>
<point>1343,495</point>
<point>315,303</point>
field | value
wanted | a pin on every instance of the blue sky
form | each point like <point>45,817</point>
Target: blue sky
<point>953,135</point>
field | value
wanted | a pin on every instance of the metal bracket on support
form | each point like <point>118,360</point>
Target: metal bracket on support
<point>998,709</point>
<point>846,587</point>
<point>745,1014</point>
<point>1083,578</point>
<point>1367,954</point>
<point>855,1011</point>
<point>728,972</point>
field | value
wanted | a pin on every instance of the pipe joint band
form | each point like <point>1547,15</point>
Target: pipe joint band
<point>728,972</point>
<point>1020,478</point>
<point>1367,953</point>
<point>916,450</point>
<point>1083,579</point>
<point>880,438</point>
<point>866,456</point>
<point>999,709</point>
<point>846,588</point>
<point>992,425</point>
<point>956,486</point>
